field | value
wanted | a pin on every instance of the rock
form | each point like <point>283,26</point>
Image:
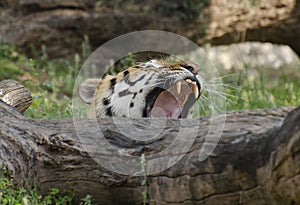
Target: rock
<point>253,55</point>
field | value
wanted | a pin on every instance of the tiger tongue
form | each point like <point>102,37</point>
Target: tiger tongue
<point>170,102</point>
<point>166,106</point>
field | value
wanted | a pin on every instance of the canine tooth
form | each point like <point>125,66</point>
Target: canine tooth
<point>178,87</point>
<point>196,91</point>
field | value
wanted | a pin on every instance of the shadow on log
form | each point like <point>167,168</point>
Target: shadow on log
<point>257,160</point>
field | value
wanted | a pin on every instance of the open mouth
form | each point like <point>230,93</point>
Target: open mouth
<point>172,102</point>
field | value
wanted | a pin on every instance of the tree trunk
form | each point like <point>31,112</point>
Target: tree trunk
<point>62,25</point>
<point>275,21</point>
<point>257,160</point>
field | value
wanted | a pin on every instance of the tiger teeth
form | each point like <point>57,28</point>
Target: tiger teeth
<point>178,87</point>
<point>195,90</point>
<point>188,80</point>
<point>194,87</point>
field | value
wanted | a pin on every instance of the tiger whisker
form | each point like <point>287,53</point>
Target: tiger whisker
<point>222,77</point>
<point>221,85</point>
<point>223,94</point>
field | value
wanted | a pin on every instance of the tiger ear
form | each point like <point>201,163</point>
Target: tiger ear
<point>87,88</point>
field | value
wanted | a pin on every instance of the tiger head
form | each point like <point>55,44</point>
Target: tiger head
<point>151,89</point>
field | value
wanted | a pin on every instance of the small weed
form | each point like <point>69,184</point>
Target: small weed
<point>144,182</point>
<point>10,194</point>
<point>86,200</point>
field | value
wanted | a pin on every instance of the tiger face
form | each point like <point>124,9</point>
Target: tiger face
<point>152,89</point>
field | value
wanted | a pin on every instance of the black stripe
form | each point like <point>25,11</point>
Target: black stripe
<point>108,111</point>
<point>106,101</point>
<point>125,92</point>
<point>134,82</point>
<point>125,72</point>
<point>134,95</point>
<point>149,79</point>
<point>113,82</point>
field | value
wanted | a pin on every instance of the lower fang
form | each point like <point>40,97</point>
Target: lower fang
<point>196,92</point>
<point>178,87</point>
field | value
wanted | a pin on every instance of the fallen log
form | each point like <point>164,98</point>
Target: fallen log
<point>256,161</point>
<point>15,95</point>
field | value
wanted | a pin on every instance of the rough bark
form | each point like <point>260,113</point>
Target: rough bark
<point>62,25</point>
<point>275,21</point>
<point>257,160</point>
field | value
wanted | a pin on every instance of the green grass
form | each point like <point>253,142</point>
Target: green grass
<point>268,89</point>
<point>51,92</point>
<point>11,194</point>
<point>49,81</point>
<point>265,90</point>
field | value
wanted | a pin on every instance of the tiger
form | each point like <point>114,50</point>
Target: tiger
<point>152,89</point>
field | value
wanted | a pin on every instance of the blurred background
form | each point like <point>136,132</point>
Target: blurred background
<point>254,44</point>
